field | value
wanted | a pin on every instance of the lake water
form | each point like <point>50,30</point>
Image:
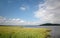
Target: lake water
<point>55,33</point>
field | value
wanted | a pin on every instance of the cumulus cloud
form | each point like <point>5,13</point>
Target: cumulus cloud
<point>49,11</point>
<point>15,21</point>
<point>22,8</point>
<point>2,19</point>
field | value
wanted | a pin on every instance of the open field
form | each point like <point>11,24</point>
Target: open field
<point>21,32</point>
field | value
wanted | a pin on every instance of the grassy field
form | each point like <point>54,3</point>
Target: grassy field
<point>20,32</point>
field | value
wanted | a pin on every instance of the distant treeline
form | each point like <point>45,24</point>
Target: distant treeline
<point>49,24</point>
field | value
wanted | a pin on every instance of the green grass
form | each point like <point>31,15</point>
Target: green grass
<point>18,32</point>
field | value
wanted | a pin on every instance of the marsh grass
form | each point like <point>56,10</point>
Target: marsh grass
<point>17,32</point>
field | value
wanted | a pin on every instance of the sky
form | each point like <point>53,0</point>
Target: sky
<point>29,12</point>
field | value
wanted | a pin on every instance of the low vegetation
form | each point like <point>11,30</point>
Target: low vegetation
<point>18,32</point>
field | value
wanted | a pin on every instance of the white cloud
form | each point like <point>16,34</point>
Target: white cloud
<point>15,21</point>
<point>49,11</point>
<point>23,8</point>
<point>2,19</point>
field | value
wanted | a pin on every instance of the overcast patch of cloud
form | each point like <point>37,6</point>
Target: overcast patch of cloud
<point>49,11</point>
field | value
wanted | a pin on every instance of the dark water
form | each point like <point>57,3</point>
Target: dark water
<point>55,33</point>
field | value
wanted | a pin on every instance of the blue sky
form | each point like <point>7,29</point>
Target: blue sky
<point>30,11</point>
<point>14,8</point>
<point>23,9</point>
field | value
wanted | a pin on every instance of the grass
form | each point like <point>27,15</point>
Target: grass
<point>18,32</point>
